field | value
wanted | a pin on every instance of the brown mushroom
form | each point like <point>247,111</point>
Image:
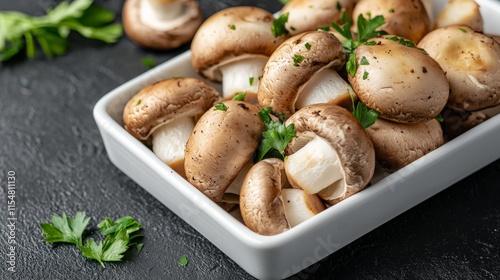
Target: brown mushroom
<point>309,15</point>
<point>222,142</point>
<point>303,69</point>
<point>345,148</point>
<point>471,61</point>
<point>165,110</point>
<point>399,144</point>
<point>460,12</point>
<point>457,122</point>
<point>408,19</point>
<point>399,81</point>
<point>161,24</point>
<point>232,46</point>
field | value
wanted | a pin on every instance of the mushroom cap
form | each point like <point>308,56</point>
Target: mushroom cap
<point>399,144</point>
<point>460,12</point>
<point>308,15</point>
<point>471,61</point>
<point>408,19</point>
<point>402,83</point>
<point>222,142</point>
<point>292,65</point>
<point>150,37</point>
<point>164,101</point>
<point>347,137</point>
<point>232,34</point>
<point>260,204</point>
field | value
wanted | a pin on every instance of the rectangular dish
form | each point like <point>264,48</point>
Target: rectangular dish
<point>277,257</point>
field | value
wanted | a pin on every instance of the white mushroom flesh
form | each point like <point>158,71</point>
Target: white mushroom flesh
<point>314,167</point>
<point>164,14</point>
<point>324,86</point>
<point>235,186</point>
<point>242,75</point>
<point>298,205</point>
<point>169,140</point>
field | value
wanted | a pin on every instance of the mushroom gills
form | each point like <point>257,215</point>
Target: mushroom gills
<point>315,167</point>
<point>242,75</point>
<point>325,86</point>
<point>300,206</point>
<point>169,141</point>
<point>165,14</point>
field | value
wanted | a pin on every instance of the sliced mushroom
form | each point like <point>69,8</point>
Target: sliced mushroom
<point>399,144</point>
<point>309,15</point>
<point>345,139</point>
<point>222,142</point>
<point>460,12</point>
<point>161,24</point>
<point>232,46</point>
<point>292,69</point>
<point>260,204</point>
<point>399,81</point>
<point>165,110</point>
<point>471,61</point>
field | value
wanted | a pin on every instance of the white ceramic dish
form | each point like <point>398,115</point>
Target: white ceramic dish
<point>276,257</point>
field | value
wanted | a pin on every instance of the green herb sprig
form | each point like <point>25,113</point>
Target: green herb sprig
<point>367,29</point>
<point>20,31</point>
<point>365,116</point>
<point>276,137</point>
<point>278,28</point>
<point>119,235</point>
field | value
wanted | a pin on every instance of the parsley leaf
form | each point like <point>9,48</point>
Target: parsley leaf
<point>220,106</point>
<point>284,2</point>
<point>276,137</point>
<point>367,28</point>
<point>148,62</point>
<point>240,96</point>
<point>278,28</point>
<point>65,229</point>
<point>19,31</point>
<point>365,117</point>
<point>119,235</point>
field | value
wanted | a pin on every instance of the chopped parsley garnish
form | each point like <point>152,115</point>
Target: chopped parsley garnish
<point>360,111</point>
<point>233,27</point>
<point>308,46</point>
<point>183,260</point>
<point>463,29</point>
<point>239,96</point>
<point>119,235</point>
<point>365,75</point>
<point>276,137</point>
<point>284,2</point>
<point>250,80</point>
<point>364,61</point>
<point>367,28</point>
<point>391,10</point>
<point>220,107</point>
<point>440,118</point>
<point>339,7</point>
<point>278,28</point>
<point>138,102</point>
<point>297,59</point>
<point>148,62</point>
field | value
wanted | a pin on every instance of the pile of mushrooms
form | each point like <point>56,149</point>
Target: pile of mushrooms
<point>415,81</point>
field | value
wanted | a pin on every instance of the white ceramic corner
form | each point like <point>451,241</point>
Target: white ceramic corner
<point>280,256</point>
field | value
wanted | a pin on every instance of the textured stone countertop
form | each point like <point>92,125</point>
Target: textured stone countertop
<point>49,138</point>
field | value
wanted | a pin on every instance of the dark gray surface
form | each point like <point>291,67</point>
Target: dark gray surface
<point>49,138</point>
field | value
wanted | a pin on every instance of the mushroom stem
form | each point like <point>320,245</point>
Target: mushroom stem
<point>169,141</point>
<point>242,75</point>
<point>164,14</point>
<point>314,167</point>
<point>300,206</point>
<point>325,86</point>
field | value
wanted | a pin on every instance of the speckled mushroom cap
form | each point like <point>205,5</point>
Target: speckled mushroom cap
<point>164,101</point>
<point>232,34</point>
<point>260,205</point>
<point>471,61</point>
<point>222,142</point>
<point>292,65</point>
<point>308,15</point>
<point>398,144</point>
<point>150,37</point>
<point>407,18</point>
<point>347,137</point>
<point>402,83</point>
